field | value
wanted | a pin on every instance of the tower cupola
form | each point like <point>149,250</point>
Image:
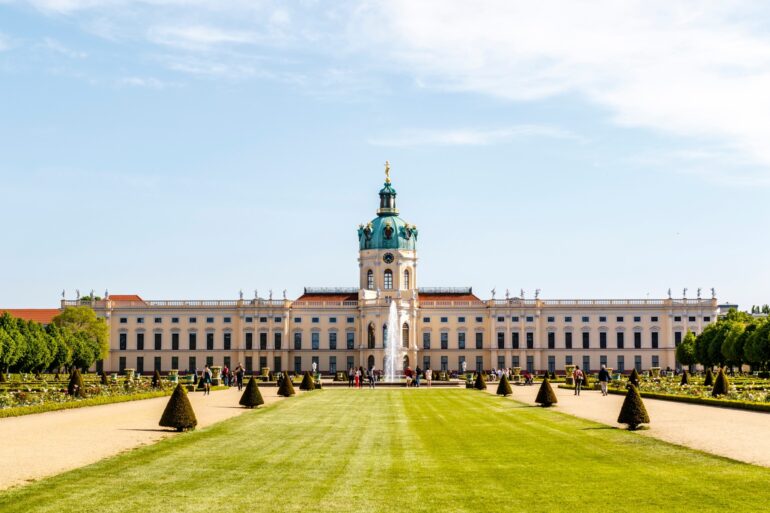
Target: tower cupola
<point>387,196</point>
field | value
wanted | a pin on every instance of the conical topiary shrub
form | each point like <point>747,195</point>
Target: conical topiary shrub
<point>480,383</point>
<point>307,382</point>
<point>633,413</point>
<point>251,397</point>
<point>156,381</point>
<point>179,413</point>
<point>709,381</point>
<point>103,378</point>
<point>685,378</point>
<point>75,386</point>
<point>633,378</point>
<point>721,385</point>
<point>546,396</point>
<point>286,389</point>
<point>504,388</point>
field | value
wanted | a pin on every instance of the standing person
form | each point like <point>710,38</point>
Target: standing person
<point>358,378</point>
<point>371,377</point>
<point>226,376</point>
<point>417,374</point>
<point>239,375</point>
<point>351,377</point>
<point>429,376</point>
<point>604,378</point>
<point>206,380</point>
<point>577,377</point>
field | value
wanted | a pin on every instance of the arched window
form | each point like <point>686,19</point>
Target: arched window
<point>388,279</point>
<point>370,336</point>
<point>406,279</point>
<point>370,279</point>
<point>405,335</point>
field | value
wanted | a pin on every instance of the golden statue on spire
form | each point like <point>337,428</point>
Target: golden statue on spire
<point>387,171</point>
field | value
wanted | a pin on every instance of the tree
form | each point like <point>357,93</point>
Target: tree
<point>709,379</point>
<point>504,387</point>
<point>685,351</point>
<point>37,355</point>
<point>91,334</point>
<point>179,413</point>
<point>76,385</point>
<point>633,413</point>
<point>286,388</point>
<point>703,344</point>
<point>732,347</point>
<point>633,378</point>
<point>60,349</point>
<point>103,380</point>
<point>13,344</point>
<point>685,378</point>
<point>251,396</point>
<point>480,383</point>
<point>757,348</point>
<point>721,385</point>
<point>308,383</point>
<point>546,396</point>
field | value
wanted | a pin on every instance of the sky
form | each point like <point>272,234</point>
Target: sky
<point>193,148</point>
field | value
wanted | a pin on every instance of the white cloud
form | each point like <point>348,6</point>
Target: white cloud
<point>469,136</point>
<point>145,82</point>
<point>55,46</point>
<point>199,36</point>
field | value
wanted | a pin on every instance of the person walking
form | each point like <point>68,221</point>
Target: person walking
<point>206,380</point>
<point>429,376</point>
<point>226,376</point>
<point>358,378</point>
<point>417,374</point>
<point>604,379</point>
<point>577,377</point>
<point>351,377</point>
<point>371,377</point>
<point>239,372</point>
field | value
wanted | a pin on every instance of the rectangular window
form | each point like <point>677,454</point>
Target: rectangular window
<point>209,320</point>
<point>156,364</point>
<point>585,318</point>
<point>192,320</point>
<point>332,320</point>
<point>515,340</point>
<point>248,319</point>
<point>531,364</point>
<point>637,340</point>
<point>351,362</point>
<point>621,364</point>
<point>249,364</point>
<point>515,318</point>
<point>568,340</point>
<point>677,338</point>
<point>479,364</point>
<point>655,360</point>
<point>638,363</point>
<point>654,318</point>
<point>568,318</point>
<point>637,319</point>
<point>426,362</point>
<point>586,363</point>
<point>175,362</point>
<point>461,319</point>
<point>501,319</point>
<point>277,364</point>
<point>351,320</point>
<point>426,319</point>
<point>602,340</point>
<point>707,319</point>
<point>191,364</point>
<point>551,340</point>
<point>530,340</point>
<point>123,337</point>
<point>123,320</point>
<point>158,341</point>
<point>209,361</point>
<point>277,341</point>
<point>603,360</point>
<point>297,365</point>
<point>445,319</point>
<point>209,341</point>
<point>140,341</point>
<point>140,320</point>
<point>315,320</point>
<point>551,364</point>
<point>500,362</point>
<point>227,320</point>
<point>278,319</point>
<point>249,341</point>
<point>551,319</point>
<point>654,341</point>
<point>262,363</point>
<point>619,318</point>
<point>263,320</point>
<point>175,320</point>
<point>351,340</point>
<point>297,320</point>
<point>602,318</point>
<point>444,340</point>
<point>175,343</point>
<point>192,341</point>
<point>315,343</point>
<point>530,319</point>
<point>139,364</point>
<point>297,340</point>
<point>677,318</point>
<point>515,361</point>
<point>444,363</point>
<point>691,319</point>
<point>479,319</point>
<point>586,340</point>
<point>461,340</point>
<point>263,342</point>
<point>500,340</point>
<point>568,359</point>
<point>332,365</point>
<point>426,340</point>
<point>333,341</point>
<point>620,339</point>
<point>158,320</point>
<point>228,341</point>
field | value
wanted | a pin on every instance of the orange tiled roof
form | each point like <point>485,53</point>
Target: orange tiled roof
<point>41,315</point>
<point>124,297</point>
<point>327,297</point>
<point>449,297</point>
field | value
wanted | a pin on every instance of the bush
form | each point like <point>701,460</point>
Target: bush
<point>685,378</point>
<point>504,388</point>
<point>179,413</point>
<point>633,413</point>
<point>480,383</point>
<point>546,396</point>
<point>76,386</point>
<point>633,378</point>
<point>251,396</point>
<point>286,389</point>
<point>721,385</point>
<point>156,381</point>
<point>709,381</point>
<point>2,376</point>
<point>307,382</point>
<point>103,379</point>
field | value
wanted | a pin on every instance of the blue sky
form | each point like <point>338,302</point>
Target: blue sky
<point>189,149</point>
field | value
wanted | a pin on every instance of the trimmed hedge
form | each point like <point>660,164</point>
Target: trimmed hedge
<point>480,383</point>
<point>179,413</point>
<point>709,380</point>
<point>91,401</point>
<point>504,388</point>
<point>251,396</point>
<point>685,378</point>
<point>308,383</point>
<point>633,378</point>
<point>546,396</point>
<point>633,413</point>
<point>721,385</point>
<point>286,389</point>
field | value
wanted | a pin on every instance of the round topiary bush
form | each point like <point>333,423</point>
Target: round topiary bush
<point>709,381</point>
<point>504,387</point>
<point>721,385</point>
<point>76,386</point>
<point>286,389</point>
<point>546,396</point>
<point>685,378</point>
<point>480,383</point>
<point>633,413</point>
<point>633,378</point>
<point>251,397</point>
<point>179,413</point>
<point>308,383</point>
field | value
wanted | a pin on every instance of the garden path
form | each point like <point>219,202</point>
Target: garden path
<point>44,444</point>
<point>737,434</point>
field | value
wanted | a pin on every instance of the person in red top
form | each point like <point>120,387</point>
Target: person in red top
<point>577,377</point>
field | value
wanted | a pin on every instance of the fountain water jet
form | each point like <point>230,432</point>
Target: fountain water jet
<point>393,352</point>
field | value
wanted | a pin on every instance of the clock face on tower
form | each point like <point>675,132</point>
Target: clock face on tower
<point>388,258</point>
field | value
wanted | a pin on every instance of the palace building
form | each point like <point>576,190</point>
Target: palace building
<point>339,328</point>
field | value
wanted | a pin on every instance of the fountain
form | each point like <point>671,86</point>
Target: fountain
<point>393,352</point>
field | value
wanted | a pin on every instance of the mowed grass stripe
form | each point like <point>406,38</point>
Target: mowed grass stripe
<point>402,450</point>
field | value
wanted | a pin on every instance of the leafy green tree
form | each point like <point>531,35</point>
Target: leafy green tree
<point>757,348</point>
<point>12,341</point>
<point>90,334</point>
<point>703,345</point>
<point>37,355</point>
<point>60,349</point>
<point>685,351</point>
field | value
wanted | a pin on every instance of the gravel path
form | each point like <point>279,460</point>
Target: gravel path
<point>41,445</point>
<point>737,434</point>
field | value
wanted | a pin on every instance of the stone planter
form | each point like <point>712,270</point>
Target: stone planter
<point>216,375</point>
<point>130,373</point>
<point>265,372</point>
<point>569,369</point>
<point>655,372</point>
<point>173,375</point>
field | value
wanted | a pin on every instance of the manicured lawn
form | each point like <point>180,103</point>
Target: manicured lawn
<point>406,451</point>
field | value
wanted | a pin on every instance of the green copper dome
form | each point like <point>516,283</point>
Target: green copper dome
<point>387,230</point>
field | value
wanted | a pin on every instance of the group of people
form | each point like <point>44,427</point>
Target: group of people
<point>357,377</point>
<point>578,377</point>
<point>230,378</point>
